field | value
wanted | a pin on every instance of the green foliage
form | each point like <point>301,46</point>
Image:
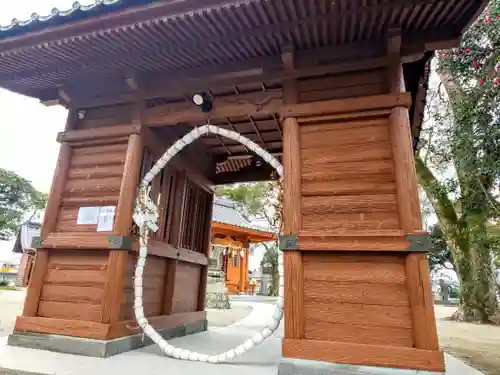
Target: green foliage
<point>459,162</point>
<point>17,199</point>
<point>255,200</point>
<point>439,255</point>
<point>270,262</point>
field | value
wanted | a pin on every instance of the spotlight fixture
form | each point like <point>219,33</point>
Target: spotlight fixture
<point>80,114</point>
<point>202,101</point>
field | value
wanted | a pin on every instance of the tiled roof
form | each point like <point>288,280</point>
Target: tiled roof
<point>25,236</point>
<point>225,212</point>
<point>57,14</point>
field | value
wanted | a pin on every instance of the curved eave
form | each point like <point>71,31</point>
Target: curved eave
<point>254,235</point>
<point>79,11</point>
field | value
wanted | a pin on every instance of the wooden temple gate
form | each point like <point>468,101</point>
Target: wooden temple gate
<point>335,89</point>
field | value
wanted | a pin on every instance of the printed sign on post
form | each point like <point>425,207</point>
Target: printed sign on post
<point>106,219</point>
<point>87,216</point>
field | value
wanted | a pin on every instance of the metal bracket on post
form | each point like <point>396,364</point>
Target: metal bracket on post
<point>36,242</point>
<point>120,242</point>
<point>419,242</point>
<point>288,242</point>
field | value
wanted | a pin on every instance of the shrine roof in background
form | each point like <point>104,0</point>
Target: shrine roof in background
<point>225,216</point>
<point>27,232</point>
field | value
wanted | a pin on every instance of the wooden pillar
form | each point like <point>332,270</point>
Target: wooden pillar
<point>207,245</point>
<point>293,268</point>
<point>115,278</point>
<point>294,324</point>
<point>48,226</point>
<point>416,266</point>
<point>243,265</point>
<point>175,236</point>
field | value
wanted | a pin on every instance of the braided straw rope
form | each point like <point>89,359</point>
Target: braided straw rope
<point>146,217</point>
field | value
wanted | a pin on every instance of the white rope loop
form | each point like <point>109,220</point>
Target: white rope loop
<point>146,217</point>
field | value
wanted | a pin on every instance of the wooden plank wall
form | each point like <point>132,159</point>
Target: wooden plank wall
<point>73,286</point>
<point>359,298</point>
<point>348,182</point>
<point>171,286</point>
<point>94,179</point>
<point>153,286</point>
<point>73,282</point>
<point>344,85</point>
<point>106,116</point>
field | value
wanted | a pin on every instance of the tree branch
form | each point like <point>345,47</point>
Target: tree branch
<point>435,193</point>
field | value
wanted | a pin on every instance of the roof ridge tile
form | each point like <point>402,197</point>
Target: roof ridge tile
<point>55,12</point>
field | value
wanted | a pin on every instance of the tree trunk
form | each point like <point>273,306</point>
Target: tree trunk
<point>467,240</point>
<point>475,213</point>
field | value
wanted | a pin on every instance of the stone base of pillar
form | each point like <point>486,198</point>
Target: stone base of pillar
<point>216,297</point>
<point>98,348</point>
<point>293,366</point>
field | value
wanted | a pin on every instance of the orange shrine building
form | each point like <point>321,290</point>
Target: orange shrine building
<point>231,236</point>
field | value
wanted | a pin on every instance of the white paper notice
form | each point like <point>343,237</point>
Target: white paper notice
<point>106,219</point>
<point>87,216</point>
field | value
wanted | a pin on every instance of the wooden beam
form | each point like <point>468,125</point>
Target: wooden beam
<point>172,88</point>
<point>166,250</point>
<point>276,152</point>
<point>130,327</point>
<point>366,103</point>
<point>290,86</point>
<point>83,135</point>
<point>363,354</point>
<point>349,57</point>
<point>395,78</point>
<point>249,70</point>
<point>264,102</point>
<point>100,331</point>
<point>75,328</point>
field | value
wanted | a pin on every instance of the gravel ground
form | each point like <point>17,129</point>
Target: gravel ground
<point>11,305</point>
<point>223,318</point>
<point>478,345</point>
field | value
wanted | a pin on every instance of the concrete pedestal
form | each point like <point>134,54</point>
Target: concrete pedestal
<point>217,297</point>
<point>98,348</point>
